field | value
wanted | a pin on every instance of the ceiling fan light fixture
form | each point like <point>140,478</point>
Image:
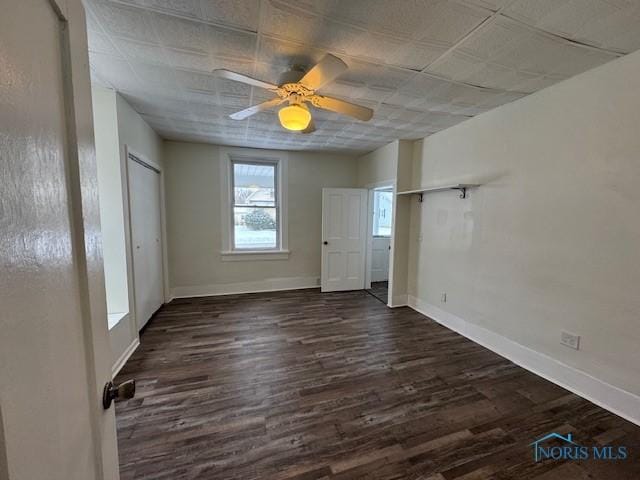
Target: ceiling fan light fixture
<point>296,88</point>
<point>294,117</point>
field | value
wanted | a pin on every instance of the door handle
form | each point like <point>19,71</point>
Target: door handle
<point>325,242</point>
<point>124,391</point>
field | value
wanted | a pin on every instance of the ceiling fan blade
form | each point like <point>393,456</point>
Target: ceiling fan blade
<point>238,77</point>
<point>340,106</point>
<point>247,112</point>
<point>310,128</point>
<point>323,72</point>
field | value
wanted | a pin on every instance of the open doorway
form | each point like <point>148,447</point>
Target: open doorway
<point>379,244</point>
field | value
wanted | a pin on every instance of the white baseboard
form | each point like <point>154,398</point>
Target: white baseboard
<point>124,357</point>
<point>622,403</point>
<point>398,301</point>
<point>268,285</point>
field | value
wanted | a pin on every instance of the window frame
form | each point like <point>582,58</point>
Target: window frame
<point>229,251</point>
<point>233,205</point>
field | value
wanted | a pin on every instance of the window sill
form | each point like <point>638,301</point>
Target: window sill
<point>254,255</point>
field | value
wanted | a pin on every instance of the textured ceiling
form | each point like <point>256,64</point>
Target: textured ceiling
<point>422,65</point>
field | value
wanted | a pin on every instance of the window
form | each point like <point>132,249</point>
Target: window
<point>382,204</point>
<point>254,206</point>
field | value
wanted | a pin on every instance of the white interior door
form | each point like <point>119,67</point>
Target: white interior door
<point>146,238</point>
<point>380,259</point>
<point>54,351</point>
<point>344,229</point>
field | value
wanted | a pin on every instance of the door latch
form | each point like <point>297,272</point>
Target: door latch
<point>124,391</point>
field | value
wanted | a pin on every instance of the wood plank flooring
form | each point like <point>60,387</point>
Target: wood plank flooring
<point>380,290</point>
<point>302,385</point>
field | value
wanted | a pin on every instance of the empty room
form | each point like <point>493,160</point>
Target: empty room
<point>319,239</point>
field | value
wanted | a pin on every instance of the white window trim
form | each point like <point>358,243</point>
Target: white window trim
<point>228,156</point>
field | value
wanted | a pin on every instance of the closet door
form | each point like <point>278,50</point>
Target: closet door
<point>146,238</point>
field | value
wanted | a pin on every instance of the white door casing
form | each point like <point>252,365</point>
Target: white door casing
<point>54,347</point>
<point>373,188</point>
<point>344,228</point>
<point>380,247</point>
<point>146,238</point>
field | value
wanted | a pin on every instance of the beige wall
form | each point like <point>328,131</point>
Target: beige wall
<point>392,164</point>
<point>399,265</point>
<point>378,166</point>
<point>551,240</point>
<point>192,184</point>
<point>135,133</point>
<point>105,127</point>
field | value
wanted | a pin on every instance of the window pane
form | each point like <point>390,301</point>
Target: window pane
<point>382,202</point>
<point>254,184</point>
<point>255,228</point>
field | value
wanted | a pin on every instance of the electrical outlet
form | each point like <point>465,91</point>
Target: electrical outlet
<point>443,298</point>
<point>570,340</point>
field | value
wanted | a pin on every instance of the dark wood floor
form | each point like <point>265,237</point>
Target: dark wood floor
<point>380,290</point>
<point>303,385</point>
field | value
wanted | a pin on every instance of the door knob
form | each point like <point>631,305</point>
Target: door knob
<point>124,391</point>
<point>325,242</point>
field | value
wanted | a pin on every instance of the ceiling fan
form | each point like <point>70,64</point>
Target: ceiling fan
<point>296,88</point>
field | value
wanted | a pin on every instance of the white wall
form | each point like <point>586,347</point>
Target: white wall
<point>192,184</point>
<point>105,121</point>
<point>135,133</point>
<point>551,240</point>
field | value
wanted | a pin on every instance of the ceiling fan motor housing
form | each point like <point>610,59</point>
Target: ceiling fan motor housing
<point>292,76</point>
